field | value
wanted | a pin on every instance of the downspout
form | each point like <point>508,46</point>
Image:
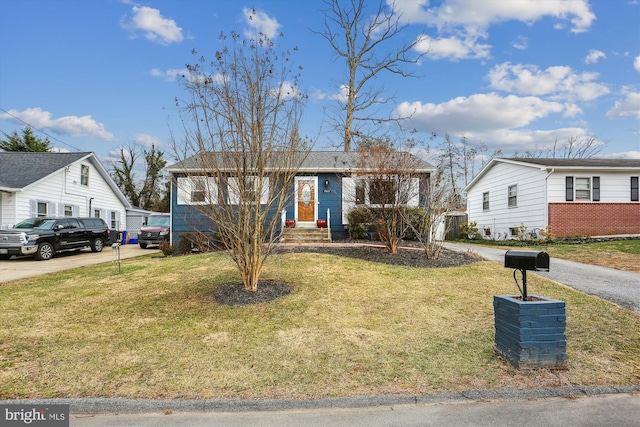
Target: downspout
<point>546,198</point>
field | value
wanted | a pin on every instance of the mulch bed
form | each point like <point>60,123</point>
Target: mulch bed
<point>409,255</point>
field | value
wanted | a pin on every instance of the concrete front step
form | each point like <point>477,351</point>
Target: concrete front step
<point>305,235</point>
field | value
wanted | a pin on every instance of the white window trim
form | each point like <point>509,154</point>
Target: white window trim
<point>509,205</point>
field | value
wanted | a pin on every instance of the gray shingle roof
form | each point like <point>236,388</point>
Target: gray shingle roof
<point>18,170</point>
<point>316,161</point>
<point>594,163</point>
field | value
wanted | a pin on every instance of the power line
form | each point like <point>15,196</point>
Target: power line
<point>39,130</point>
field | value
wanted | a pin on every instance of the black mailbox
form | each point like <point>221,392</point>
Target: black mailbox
<point>527,260</point>
<point>523,261</point>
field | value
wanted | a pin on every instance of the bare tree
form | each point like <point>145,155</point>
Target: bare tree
<point>366,43</point>
<point>148,192</point>
<point>576,147</point>
<point>242,146</point>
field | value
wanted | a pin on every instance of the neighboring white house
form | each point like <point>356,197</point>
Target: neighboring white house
<point>58,184</point>
<point>569,197</point>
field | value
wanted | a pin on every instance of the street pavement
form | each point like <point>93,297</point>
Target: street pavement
<point>619,287</point>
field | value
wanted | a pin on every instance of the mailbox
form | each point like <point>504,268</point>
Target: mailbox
<point>523,261</point>
<point>527,260</point>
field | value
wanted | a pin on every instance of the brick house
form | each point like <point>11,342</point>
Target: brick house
<point>570,197</point>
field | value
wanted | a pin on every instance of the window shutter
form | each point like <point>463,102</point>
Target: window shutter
<point>414,193</point>
<point>264,191</point>
<point>233,189</point>
<point>348,197</point>
<point>634,189</point>
<point>569,189</point>
<point>596,188</point>
<point>184,190</point>
<point>212,191</point>
<point>33,208</point>
<point>76,210</point>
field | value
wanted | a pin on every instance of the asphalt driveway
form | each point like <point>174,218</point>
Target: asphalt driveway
<point>19,268</point>
<point>619,287</point>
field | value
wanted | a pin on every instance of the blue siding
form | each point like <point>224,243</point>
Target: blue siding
<point>186,218</point>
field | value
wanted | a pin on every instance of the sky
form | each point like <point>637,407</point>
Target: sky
<point>515,75</point>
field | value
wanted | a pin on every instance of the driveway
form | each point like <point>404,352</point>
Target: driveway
<point>619,287</point>
<point>19,268</point>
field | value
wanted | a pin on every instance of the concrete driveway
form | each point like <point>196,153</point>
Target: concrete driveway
<point>20,268</point>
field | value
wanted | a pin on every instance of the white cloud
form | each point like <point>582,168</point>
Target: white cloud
<point>154,26</point>
<point>594,56</point>
<point>67,125</point>
<point>454,48</point>
<point>477,114</point>
<point>557,82</point>
<point>636,64</point>
<point>629,106</point>
<point>482,14</point>
<point>260,22</point>
<point>286,91</point>
<point>342,95</point>
<point>520,43</point>
<point>146,140</point>
<point>170,75</point>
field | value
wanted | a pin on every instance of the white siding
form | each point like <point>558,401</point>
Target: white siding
<point>615,187</point>
<point>531,206</point>
<point>64,188</point>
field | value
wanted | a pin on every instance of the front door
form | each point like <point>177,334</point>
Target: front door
<point>306,198</point>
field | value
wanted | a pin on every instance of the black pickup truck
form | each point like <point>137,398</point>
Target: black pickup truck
<point>43,237</point>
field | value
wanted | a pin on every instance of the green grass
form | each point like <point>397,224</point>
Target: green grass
<point>349,327</point>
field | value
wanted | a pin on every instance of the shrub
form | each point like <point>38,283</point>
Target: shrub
<point>416,221</point>
<point>469,230</point>
<point>167,248</point>
<point>359,221</point>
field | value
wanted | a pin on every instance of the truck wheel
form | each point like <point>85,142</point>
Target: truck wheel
<point>45,251</point>
<point>143,245</point>
<point>97,245</point>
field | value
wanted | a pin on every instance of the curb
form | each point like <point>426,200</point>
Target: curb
<point>137,406</point>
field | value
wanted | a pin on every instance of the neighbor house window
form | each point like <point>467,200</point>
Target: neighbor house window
<point>42,209</point>
<point>68,210</point>
<point>114,220</point>
<point>583,188</point>
<point>485,201</point>
<point>84,175</point>
<point>634,189</point>
<point>96,213</point>
<point>513,196</point>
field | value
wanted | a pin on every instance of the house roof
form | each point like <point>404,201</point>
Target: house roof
<point>545,164</point>
<point>315,161</point>
<point>21,170</point>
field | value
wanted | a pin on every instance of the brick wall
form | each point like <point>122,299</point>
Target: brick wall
<point>594,219</point>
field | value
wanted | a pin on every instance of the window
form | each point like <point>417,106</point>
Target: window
<point>248,191</point>
<point>197,190</point>
<point>583,189</point>
<point>485,201</point>
<point>360,192</point>
<point>96,213</point>
<point>42,209</point>
<point>114,220</point>
<point>68,210</point>
<point>634,189</point>
<point>84,175</point>
<point>513,196</point>
<point>383,191</point>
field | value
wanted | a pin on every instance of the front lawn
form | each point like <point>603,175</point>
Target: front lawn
<point>349,327</point>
